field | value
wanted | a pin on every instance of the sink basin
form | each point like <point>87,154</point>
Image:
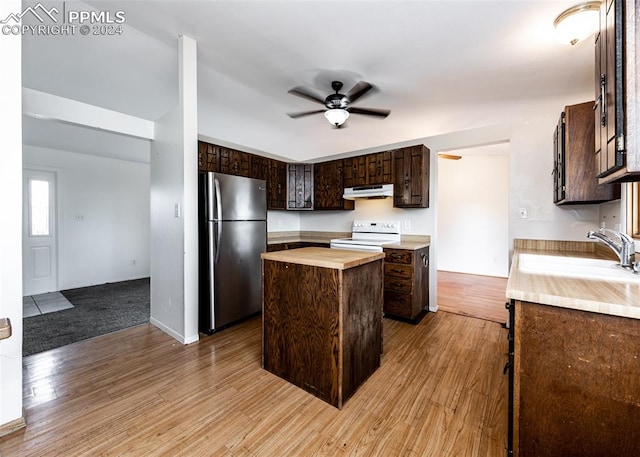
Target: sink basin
<point>575,267</point>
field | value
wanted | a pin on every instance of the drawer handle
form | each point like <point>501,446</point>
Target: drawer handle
<point>396,256</point>
<point>506,368</point>
<point>395,270</point>
<point>397,284</point>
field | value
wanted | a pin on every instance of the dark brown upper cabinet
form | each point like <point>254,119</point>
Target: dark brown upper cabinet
<point>208,157</point>
<point>277,185</point>
<point>299,186</point>
<point>328,186</point>
<point>575,179</point>
<point>355,171</point>
<point>411,177</point>
<point>320,186</point>
<point>368,169</point>
<point>234,162</point>
<point>274,173</point>
<point>379,169</point>
<point>616,110</point>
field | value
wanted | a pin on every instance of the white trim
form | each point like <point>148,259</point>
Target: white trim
<point>41,105</point>
<point>169,331</point>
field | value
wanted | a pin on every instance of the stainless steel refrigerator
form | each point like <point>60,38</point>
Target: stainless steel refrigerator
<point>233,233</point>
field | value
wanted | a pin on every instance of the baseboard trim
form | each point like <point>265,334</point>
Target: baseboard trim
<point>181,338</point>
<point>13,426</point>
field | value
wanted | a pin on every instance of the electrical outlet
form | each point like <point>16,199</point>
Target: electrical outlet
<point>79,217</point>
<point>407,224</point>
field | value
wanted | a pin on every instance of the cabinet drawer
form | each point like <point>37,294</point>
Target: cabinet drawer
<point>398,284</point>
<point>397,270</point>
<point>398,256</point>
<point>397,303</point>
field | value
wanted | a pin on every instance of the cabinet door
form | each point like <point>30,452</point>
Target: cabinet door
<point>558,158</point>
<point>379,168</point>
<point>208,157</point>
<point>277,185</point>
<point>610,88</point>
<point>300,186</point>
<point>328,186</point>
<point>597,109</point>
<point>259,167</point>
<point>234,162</point>
<point>355,171</point>
<point>411,177</point>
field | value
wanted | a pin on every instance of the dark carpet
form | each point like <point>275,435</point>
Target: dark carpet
<point>97,310</point>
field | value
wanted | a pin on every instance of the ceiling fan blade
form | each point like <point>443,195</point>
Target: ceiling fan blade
<point>306,93</point>
<point>370,112</point>
<point>304,113</point>
<point>358,91</point>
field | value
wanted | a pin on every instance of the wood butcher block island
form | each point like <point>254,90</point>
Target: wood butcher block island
<point>322,319</point>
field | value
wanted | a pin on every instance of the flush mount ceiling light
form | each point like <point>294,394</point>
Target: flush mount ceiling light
<point>337,116</point>
<point>577,23</point>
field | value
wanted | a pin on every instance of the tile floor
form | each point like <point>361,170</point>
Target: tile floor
<point>33,305</point>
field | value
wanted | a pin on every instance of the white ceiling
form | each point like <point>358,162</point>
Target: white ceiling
<point>439,66</point>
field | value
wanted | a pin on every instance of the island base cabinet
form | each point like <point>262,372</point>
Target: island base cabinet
<point>322,327</point>
<point>576,383</point>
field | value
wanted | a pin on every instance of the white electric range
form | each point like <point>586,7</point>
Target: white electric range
<point>369,236</point>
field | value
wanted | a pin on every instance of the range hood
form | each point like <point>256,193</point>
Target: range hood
<point>376,191</point>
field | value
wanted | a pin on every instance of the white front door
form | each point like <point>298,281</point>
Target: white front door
<point>39,237</point>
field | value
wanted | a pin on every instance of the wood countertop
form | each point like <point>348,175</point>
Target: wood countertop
<point>339,259</point>
<point>585,294</point>
<point>410,242</point>
<point>5,328</point>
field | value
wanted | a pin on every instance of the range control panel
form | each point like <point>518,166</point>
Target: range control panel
<point>376,227</point>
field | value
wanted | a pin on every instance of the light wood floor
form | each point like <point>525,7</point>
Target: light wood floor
<point>439,392</point>
<point>473,295</point>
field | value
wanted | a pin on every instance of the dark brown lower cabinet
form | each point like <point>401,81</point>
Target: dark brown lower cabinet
<point>576,383</point>
<point>295,245</point>
<point>406,284</point>
<point>322,327</point>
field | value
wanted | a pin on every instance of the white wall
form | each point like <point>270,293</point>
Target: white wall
<point>11,226</point>
<point>414,221</point>
<point>531,152</point>
<point>283,221</point>
<point>174,212</point>
<point>473,214</point>
<point>103,216</point>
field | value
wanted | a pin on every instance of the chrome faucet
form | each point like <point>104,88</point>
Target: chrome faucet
<point>625,249</point>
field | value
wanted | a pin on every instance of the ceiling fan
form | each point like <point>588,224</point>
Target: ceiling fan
<point>337,105</point>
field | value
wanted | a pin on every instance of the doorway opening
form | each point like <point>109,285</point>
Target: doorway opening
<point>473,227</point>
<point>39,233</point>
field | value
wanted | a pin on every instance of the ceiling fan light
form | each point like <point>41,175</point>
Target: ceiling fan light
<point>336,116</point>
<point>577,23</point>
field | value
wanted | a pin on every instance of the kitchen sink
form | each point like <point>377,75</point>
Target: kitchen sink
<point>575,267</point>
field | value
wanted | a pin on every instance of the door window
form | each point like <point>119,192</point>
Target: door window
<point>39,208</point>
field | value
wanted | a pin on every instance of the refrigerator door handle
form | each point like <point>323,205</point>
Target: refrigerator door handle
<point>211,270</point>
<point>216,183</point>
<point>217,241</point>
<point>218,215</point>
